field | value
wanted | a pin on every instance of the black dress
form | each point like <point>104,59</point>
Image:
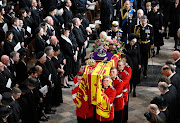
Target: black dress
<point>67,49</point>
<point>58,89</point>
<point>9,47</point>
<point>156,19</point>
<point>134,54</point>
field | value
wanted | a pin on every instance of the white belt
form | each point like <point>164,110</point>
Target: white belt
<point>74,95</point>
<point>125,90</point>
<point>77,84</point>
<point>118,95</point>
<point>111,104</point>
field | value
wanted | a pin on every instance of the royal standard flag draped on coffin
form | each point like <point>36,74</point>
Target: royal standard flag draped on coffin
<point>90,88</point>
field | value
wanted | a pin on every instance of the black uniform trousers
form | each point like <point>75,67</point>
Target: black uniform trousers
<point>81,120</point>
<point>144,50</point>
<point>118,116</point>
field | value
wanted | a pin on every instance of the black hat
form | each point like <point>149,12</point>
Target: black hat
<point>160,102</point>
<point>5,111</point>
<point>56,48</point>
<point>82,10</point>
<point>132,36</point>
<point>39,54</point>
<point>32,82</point>
<point>52,8</point>
<point>38,29</point>
<point>154,3</point>
<point>22,52</point>
<point>24,88</point>
<point>43,24</point>
<point>79,16</point>
<point>7,99</point>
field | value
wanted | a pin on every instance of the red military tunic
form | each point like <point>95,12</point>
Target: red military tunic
<point>111,93</point>
<point>89,114</point>
<point>125,76</point>
<point>118,101</point>
<point>75,81</point>
<point>129,70</point>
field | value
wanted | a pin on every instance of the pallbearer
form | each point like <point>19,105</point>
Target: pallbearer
<point>81,118</point>
<point>125,76</point>
<point>111,93</point>
<point>118,101</point>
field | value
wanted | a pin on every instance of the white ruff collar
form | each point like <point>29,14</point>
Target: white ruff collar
<point>67,39</point>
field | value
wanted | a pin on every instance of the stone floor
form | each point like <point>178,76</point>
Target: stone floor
<point>137,106</point>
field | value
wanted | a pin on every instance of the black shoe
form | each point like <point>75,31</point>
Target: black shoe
<point>134,94</point>
<point>66,86</point>
<point>69,85</point>
<point>70,78</point>
<point>49,112</point>
<point>167,37</point>
<point>145,77</point>
<point>43,118</point>
<point>47,117</point>
<point>54,110</point>
<point>157,53</point>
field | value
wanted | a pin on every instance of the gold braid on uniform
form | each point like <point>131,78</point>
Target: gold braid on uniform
<point>125,15</point>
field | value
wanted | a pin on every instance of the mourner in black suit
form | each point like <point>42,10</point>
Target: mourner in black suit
<point>54,75</point>
<point>40,43</point>
<point>21,69</point>
<point>170,97</point>
<point>136,21</point>
<point>174,20</point>
<point>9,43</point>
<point>18,37</point>
<point>50,28</point>
<point>8,74</point>
<point>29,103</point>
<point>67,15</point>
<point>79,36</point>
<point>5,112</point>
<point>133,51</point>
<point>57,64</point>
<point>106,14</point>
<point>45,79</point>
<point>156,20</point>
<point>176,57</point>
<point>153,108</point>
<point>175,78</point>
<point>3,80</point>
<point>35,13</point>
<point>162,106</point>
<point>16,115</point>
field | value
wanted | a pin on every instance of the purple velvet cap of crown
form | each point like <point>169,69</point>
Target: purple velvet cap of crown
<point>108,54</point>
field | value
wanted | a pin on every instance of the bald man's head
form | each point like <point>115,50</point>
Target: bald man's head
<point>103,35</point>
<point>54,40</point>
<point>153,108</point>
<point>49,20</point>
<point>5,60</point>
<point>163,87</point>
<point>175,55</point>
<point>166,70</point>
